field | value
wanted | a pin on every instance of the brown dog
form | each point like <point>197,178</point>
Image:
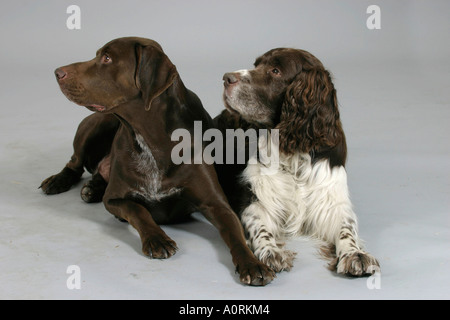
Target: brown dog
<point>139,100</point>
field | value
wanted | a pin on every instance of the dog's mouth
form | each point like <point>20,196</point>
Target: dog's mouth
<point>230,109</point>
<point>228,100</point>
<point>76,95</point>
<point>96,107</point>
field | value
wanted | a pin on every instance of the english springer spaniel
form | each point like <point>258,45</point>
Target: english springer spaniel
<point>290,90</point>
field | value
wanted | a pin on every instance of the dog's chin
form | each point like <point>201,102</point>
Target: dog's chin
<point>78,97</point>
<point>234,111</point>
<point>231,110</point>
<point>259,120</point>
<point>91,106</point>
<point>94,107</point>
<point>228,105</point>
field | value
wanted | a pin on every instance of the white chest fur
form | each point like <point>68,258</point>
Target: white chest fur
<point>302,198</point>
<point>146,165</point>
<point>299,196</point>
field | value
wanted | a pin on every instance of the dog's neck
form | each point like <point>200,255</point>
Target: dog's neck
<point>156,124</point>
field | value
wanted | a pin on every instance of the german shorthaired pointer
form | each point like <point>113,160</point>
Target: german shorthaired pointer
<point>139,100</point>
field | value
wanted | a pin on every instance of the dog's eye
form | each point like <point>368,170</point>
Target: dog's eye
<point>106,58</point>
<point>275,71</point>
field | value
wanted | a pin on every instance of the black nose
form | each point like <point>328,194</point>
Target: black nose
<point>230,78</point>
<point>60,74</point>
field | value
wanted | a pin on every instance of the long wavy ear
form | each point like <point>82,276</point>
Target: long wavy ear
<point>309,119</point>
<point>155,73</point>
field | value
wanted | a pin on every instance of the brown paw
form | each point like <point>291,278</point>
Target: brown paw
<point>255,274</point>
<point>357,264</point>
<point>159,247</point>
<point>93,191</point>
<point>60,182</point>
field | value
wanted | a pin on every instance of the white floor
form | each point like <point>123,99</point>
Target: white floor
<point>398,175</point>
<point>396,116</point>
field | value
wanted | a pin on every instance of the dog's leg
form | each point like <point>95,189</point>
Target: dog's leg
<point>62,181</point>
<point>351,259</point>
<point>94,189</point>
<point>155,242</point>
<point>264,219</point>
<point>91,143</point>
<point>212,202</point>
<point>261,238</point>
<point>250,269</point>
<point>330,217</point>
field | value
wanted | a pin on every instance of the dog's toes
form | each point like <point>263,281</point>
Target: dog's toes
<point>159,247</point>
<point>357,264</point>
<point>60,182</point>
<point>255,274</point>
<point>87,194</point>
<point>92,193</point>
<point>54,185</point>
<point>45,185</point>
<point>279,259</point>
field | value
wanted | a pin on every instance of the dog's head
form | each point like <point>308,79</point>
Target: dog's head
<point>290,90</point>
<point>124,69</point>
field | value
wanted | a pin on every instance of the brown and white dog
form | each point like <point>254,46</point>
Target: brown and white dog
<point>291,91</point>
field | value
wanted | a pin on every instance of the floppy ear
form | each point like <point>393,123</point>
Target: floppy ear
<point>155,73</point>
<point>309,118</point>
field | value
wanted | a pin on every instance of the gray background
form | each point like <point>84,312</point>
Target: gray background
<point>393,89</point>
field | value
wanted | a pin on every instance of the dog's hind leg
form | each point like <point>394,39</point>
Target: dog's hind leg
<point>91,144</point>
<point>94,189</point>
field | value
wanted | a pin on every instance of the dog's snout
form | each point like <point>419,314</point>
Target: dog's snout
<point>230,78</point>
<point>60,74</point>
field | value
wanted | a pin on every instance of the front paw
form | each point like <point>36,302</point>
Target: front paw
<point>255,273</point>
<point>159,247</point>
<point>278,259</point>
<point>357,264</point>
<point>60,182</point>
